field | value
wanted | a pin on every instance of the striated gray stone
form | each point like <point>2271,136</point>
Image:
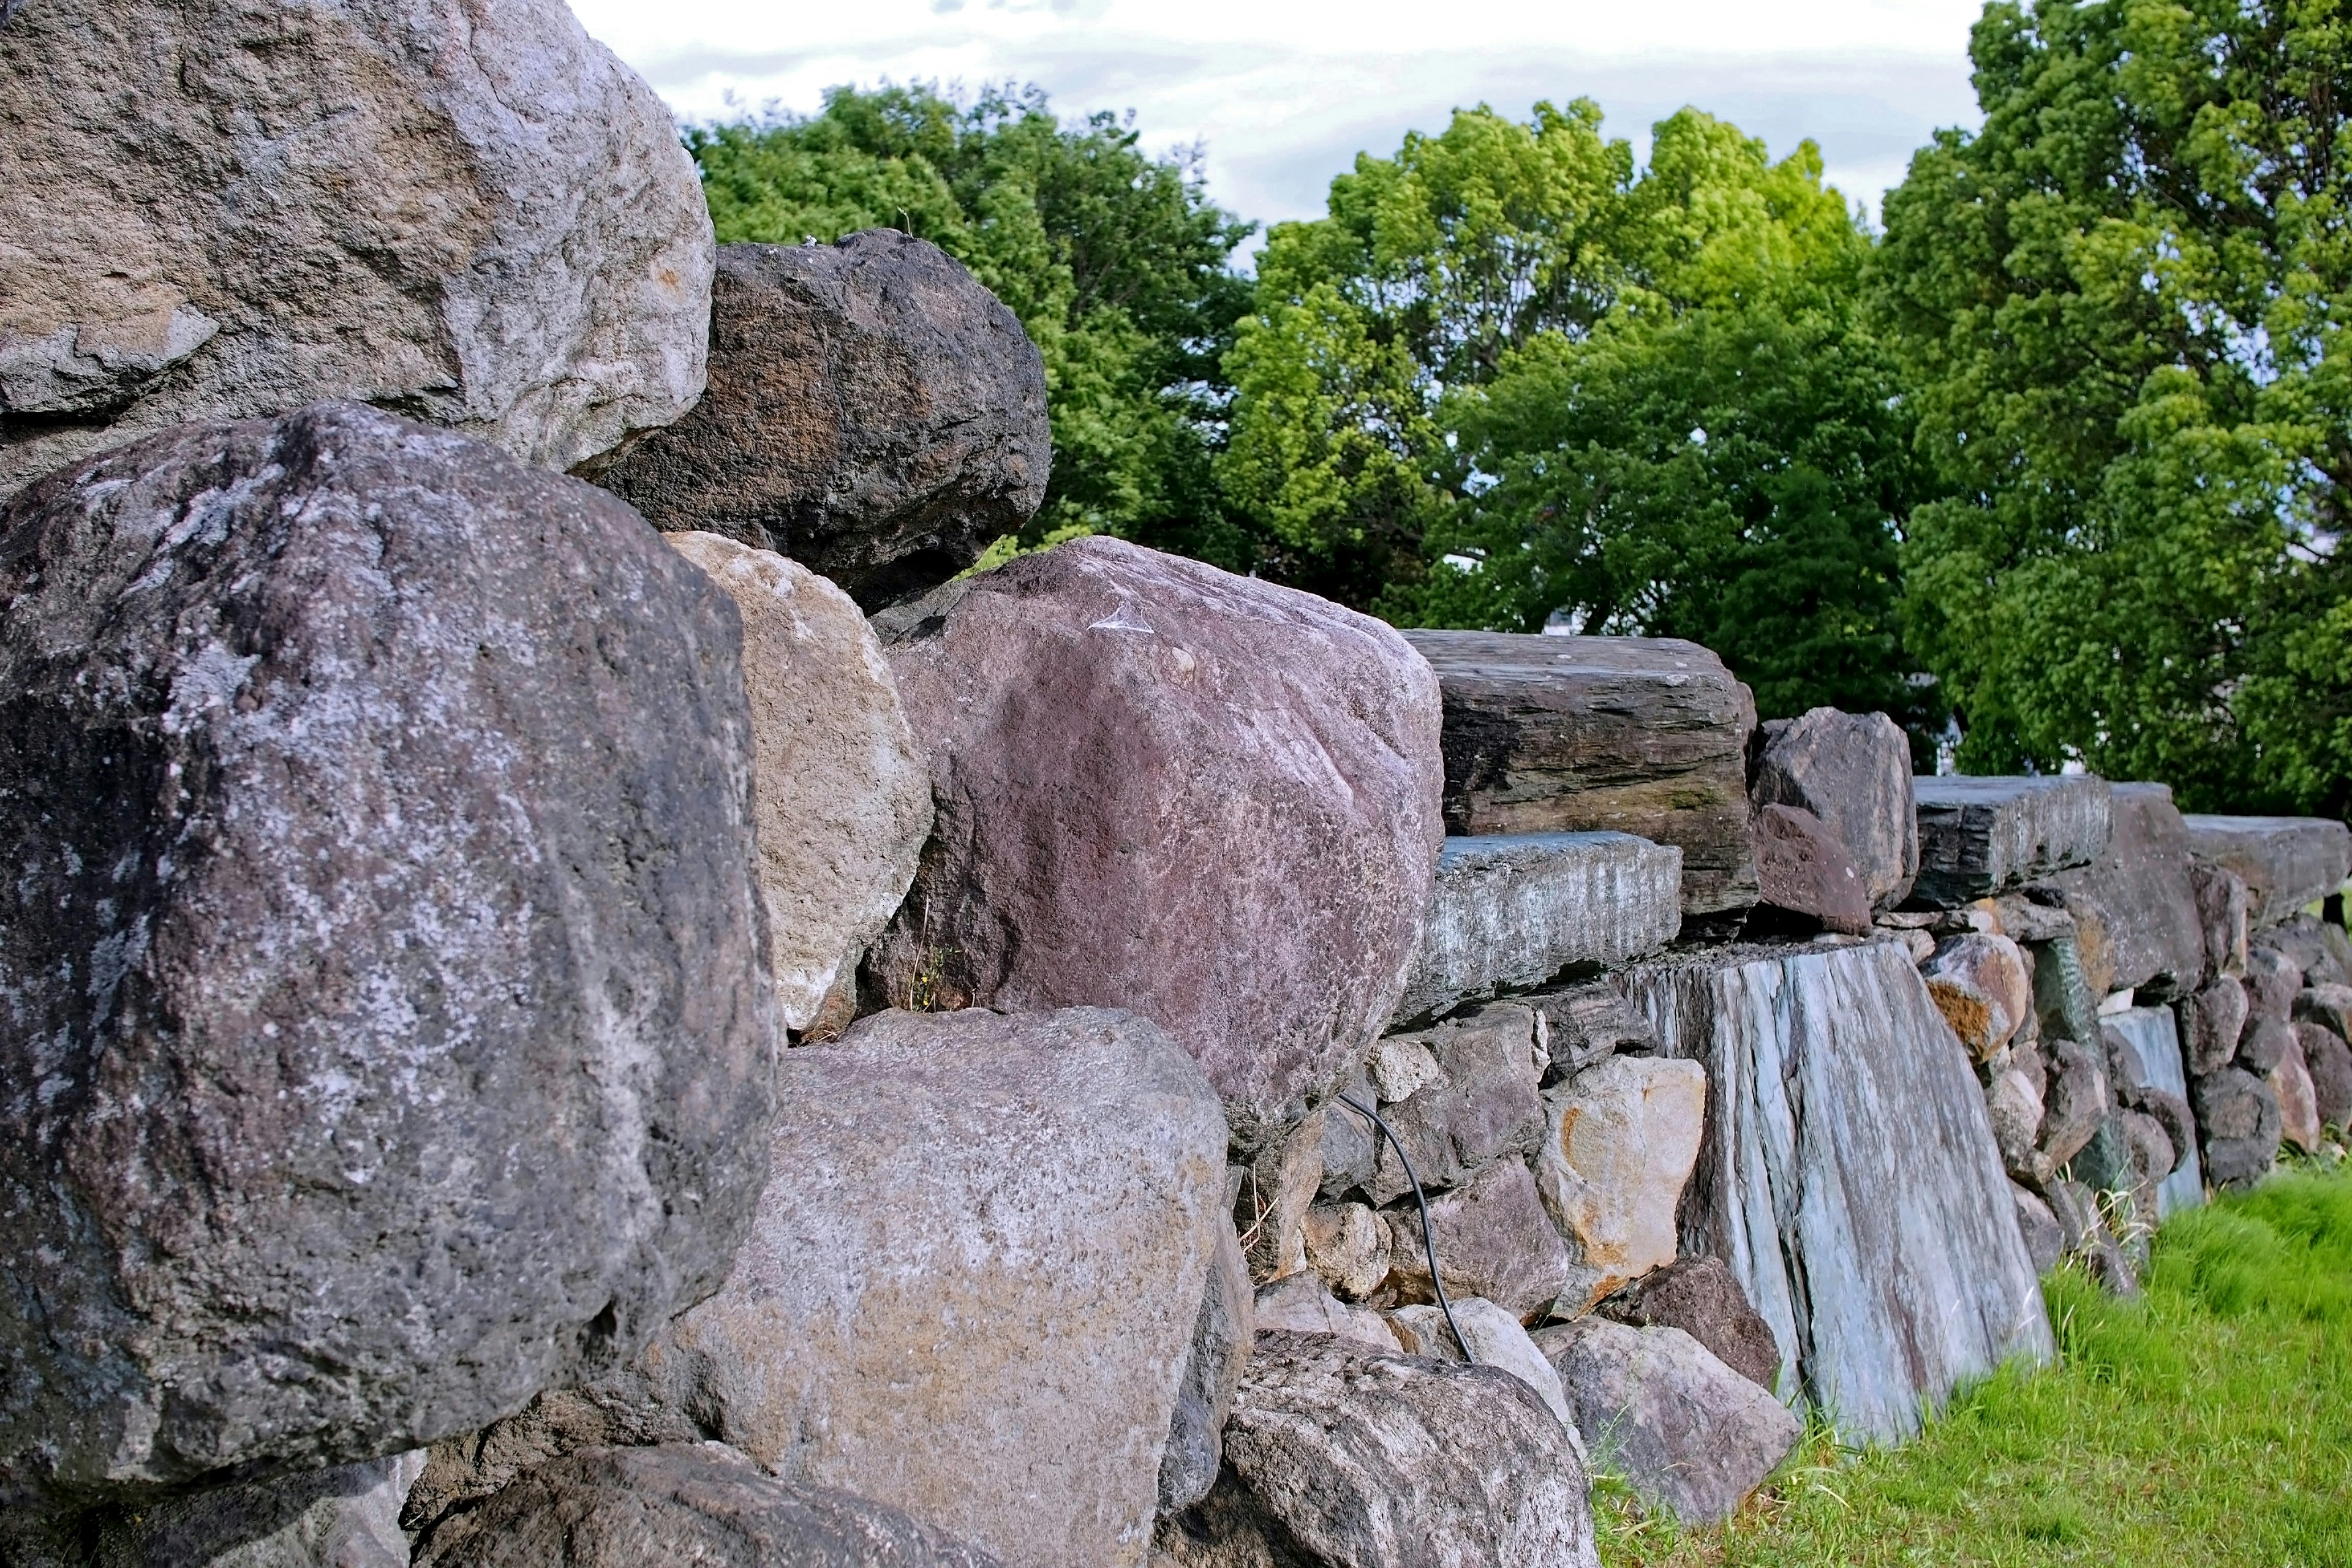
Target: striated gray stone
<point>475,215</point>
<point>2238,1121</point>
<point>1493,1239</point>
<point>874,413</point>
<point>2155,1044</point>
<point>1479,1102</point>
<point>1979,836</point>
<point>2134,907</point>
<point>2285,862</point>
<point>1510,912</point>
<point>1161,786</point>
<point>1852,770</point>
<point>1661,1409</point>
<point>1222,1336</point>
<point>1581,1025</point>
<point>1337,1457</point>
<point>2084,1234</point>
<point>381,903</point>
<point>698,1503</point>
<point>1639,735</point>
<point>1849,1178</point>
<point>1702,1297</point>
<point>841,791</point>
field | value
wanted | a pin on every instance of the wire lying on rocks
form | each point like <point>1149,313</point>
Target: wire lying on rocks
<point>1428,1238</point>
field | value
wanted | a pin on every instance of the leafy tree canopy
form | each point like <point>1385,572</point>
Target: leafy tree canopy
<point>2122,304</point>
<point>1114,260</point>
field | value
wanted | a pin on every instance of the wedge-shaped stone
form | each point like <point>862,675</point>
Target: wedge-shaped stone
<point>2286,862</point>
<point>1852,770</point>
<point>1979,836</point>
<point>1850,1178</point>
<point>1640,735</point>
<point>1511,912</point>
<point>2134,907</point>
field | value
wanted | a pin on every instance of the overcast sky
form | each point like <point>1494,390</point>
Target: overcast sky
<point>1284,93</point>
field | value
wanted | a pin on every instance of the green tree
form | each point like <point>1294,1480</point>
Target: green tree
<point>2121,302</point>
<point>1116,262</point>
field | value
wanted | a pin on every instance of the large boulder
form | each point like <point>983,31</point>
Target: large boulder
<point>1658,1407</point>
<point>1639,735</point>
<point>1701,1296</point>
<point>1622,1138</point>
<point>1853,772</point>
<point>1164,787</point>
<point>874,413</point>
<point>1512,911</point>
<point>1850,1179</point>
<point>1979,836</point>
<point>841,790</point>
<point>1338,1457</point>
<point>389,1034</point>
<point>994,1227</point>
<point>698,1503</point>
<point>474,214</point>
<point>2285,862</point>
<point>2134,907</point>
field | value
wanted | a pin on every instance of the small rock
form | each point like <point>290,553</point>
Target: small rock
<point>1980,835</point>
<point>2328,1006</point>
<point>1701,1296</point>
<point>1495,1339</point>
<point>1917,944</point>
<point>2016,1112</point>
<point>2287,861</point>
<point>1348,1245</point>
<point>345,1517</point>
<point>2298,1100</point>
<point>1687,1431</point>
<point>2274,981</point>
<point>2265,1041</point>
<point>1981,985</point>
<point>2086,1236</point>
<point>874,413</point>
<point>1853,772</point>
<point>1579,1026</point>
<point>1221,1337</point>
<point>1621,1139</point>
<point>1280,1187</point>
<point>1351,1151</point>
<point>2238,1120</point>
<point>1493,1239</point>
<point>1482,1104</point>
<point>2330,1062</point>
<point>1298,1304</point>
<point>2322,949</point>
<point>2045,1243</point>
<point>1801,866</point>
<point>1340,1458</point>
<point>699,1503</point>
<point>2223,902</point>
<point>2211,1024</point>
<point>2077,1101</point>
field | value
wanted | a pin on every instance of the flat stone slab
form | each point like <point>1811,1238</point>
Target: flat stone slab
<point>1511,911</point>
<point>1641,735</point>
<point>2135,906</point>
<point>2154,1037</point>
<point>2287,861</point>
<point>1849,1176</point>
<point>1978,835</point>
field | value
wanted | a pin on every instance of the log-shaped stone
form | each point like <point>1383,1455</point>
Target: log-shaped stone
<point>2285,862</point>
<point>1980,835</point>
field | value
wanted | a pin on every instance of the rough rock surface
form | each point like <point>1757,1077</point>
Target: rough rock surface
<point>1129,751</point>
<point>1510,912</point>
<point>2285,862</point>
<point>2298,1103</point>
<point>2274,981</point>
<point>1802,868</point>
<point>1639,735</point>
<point>2045,1242</point>
<point>2014,1106</point>
<point>1979,983</point>
<point>1849,1178</point>
<point>2329,1007</point>
<point>2076,1100</point>
<point>1853,772</point>
<point>2134,907</point>
<point>1581,1025</point>
<point>1349,1246</point>
<point>1480,1102</point>
<point>1493,1239</point>
<point>2155,1044</point>
<point>473,214</point>
<point>841,791</point>
<point>1979,836</point>
<point>874,413</point>
<point>378,815</point>
<point>2330,1062</point>
<point>2223,902</point>
<point>1340,1458</point>
<point>1662,1410</point>
<point>1222,1336</point>
<point>2210,1023</point>
<point>347,1516</point>
<point>1495,1337</point>
<point>1300,1304</point>
<point>698,1503</point>
<point>2238,1116</point>
<point>1703,1299</point>
<point>1621,1139</point>
<point>2264,1042</point>
<point>2321,948</point>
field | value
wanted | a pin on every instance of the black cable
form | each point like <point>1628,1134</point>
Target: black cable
<point>1428,1238</point>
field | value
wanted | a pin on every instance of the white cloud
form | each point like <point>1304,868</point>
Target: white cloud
<point>1284,95</point>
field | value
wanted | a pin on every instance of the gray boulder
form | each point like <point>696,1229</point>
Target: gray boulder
<point>1131,752</point>
<point>1338,1458</point>
<point>1702,1297</point>
<point>2264,1042</point>
<point>2045,1240</point>
<point>2134,907</point>
<point>1639,735</point>
<point>477,215</point>
<point>1213,1364</point>
<point>1658,1407</point>
<point>2330,1062</point>
<point>385,970</point>
<point>2274,981</point>
<point>2321,948</point>
<point>1480,1105</point>
<point>1511,912</point>
<point>2223,902</point>
<point>344,1517</point>
<point>698,1503</point>
<point>2084,1234</point>
<point>2075,1101</point>
<point>2238,1123</point>
<point>1980,835</point>
<point>1852,771</point>
<point>1850,1179</point>
<point>2210,1023</point>
<point>1493,1239</point>
<point>2285,862</point>
<point>874,413</point>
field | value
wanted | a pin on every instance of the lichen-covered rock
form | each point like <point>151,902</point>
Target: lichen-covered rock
<point>1513,911</point>
<point>1849,1177</point>
<point>1702,1297</point>
<point>1337,1457</point>
<point>473,214</point>
<point>389,1034</point>
<point>2286,862</point>
<point>1803,868</point>
<point>874,413</point>
<point>1979,836</point>
<point>1163,787</point>
<point>1661,1409</point>
<point>699,1503</point>
<point>1852,770</point>
<point>1621,1138</point>
<point>841,791</point>
<point>1479,1104</point>
<point>1979,983</point>
<point>1639,735</point>
<point>1493,1239</point>
<point>2134,907</point>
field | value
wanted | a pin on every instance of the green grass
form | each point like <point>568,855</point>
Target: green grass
<point>2207,1425</point>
